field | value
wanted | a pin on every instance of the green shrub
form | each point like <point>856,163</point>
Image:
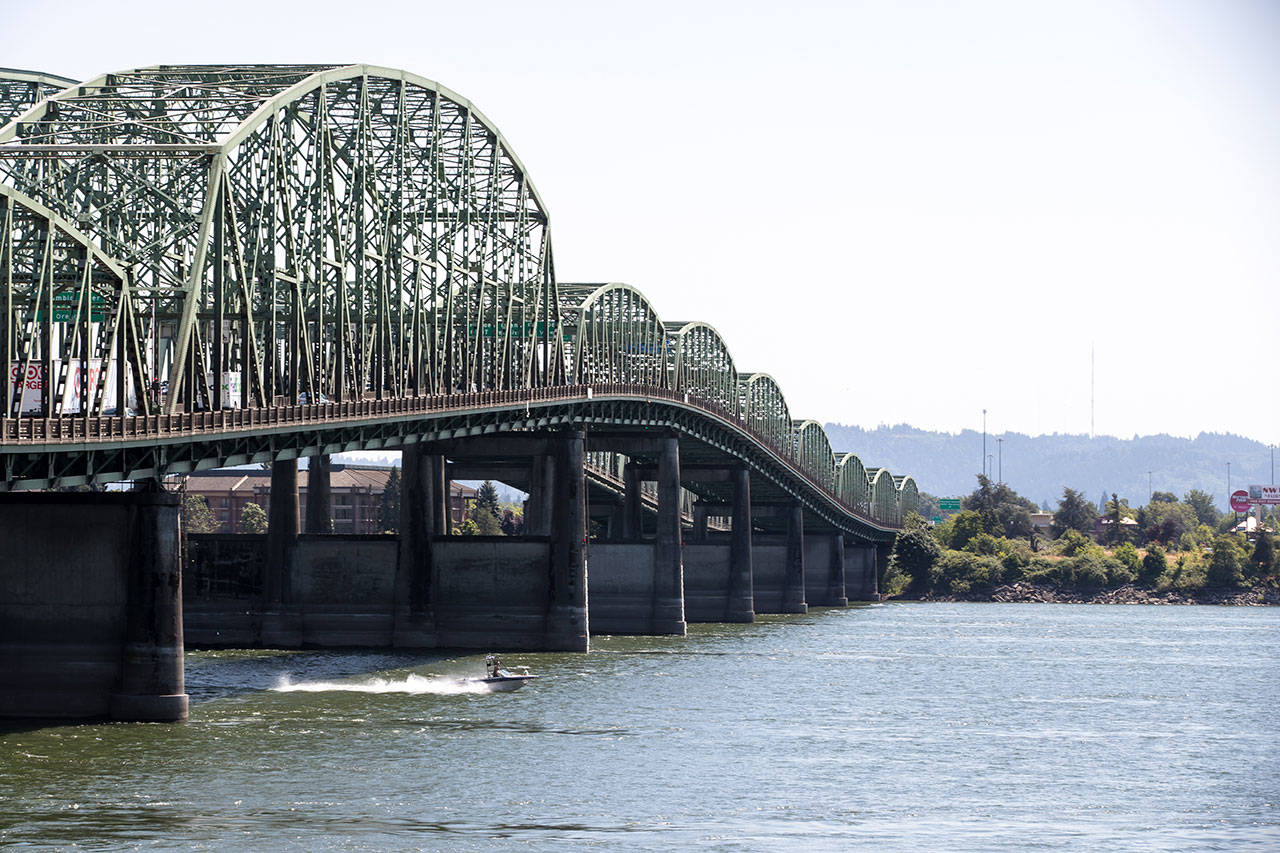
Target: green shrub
<point>1071,542</point>
<point>1119,572</point>
<point>1089,570</point>
<point>964,526</point>
<point>958,572</point>
<point>984,544</point>
<point>1043,570</point>
<point>1153,566</point>
<point>914,553</point>
<point>1225,564</point>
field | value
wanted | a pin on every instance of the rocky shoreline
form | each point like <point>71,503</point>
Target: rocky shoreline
<point>1024,592</point>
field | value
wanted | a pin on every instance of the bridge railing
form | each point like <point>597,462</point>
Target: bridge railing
<point>72,429</point>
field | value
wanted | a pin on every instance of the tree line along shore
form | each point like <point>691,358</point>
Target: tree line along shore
<point>1170,551</point>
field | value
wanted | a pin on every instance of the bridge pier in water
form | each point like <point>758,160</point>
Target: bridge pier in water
<point>824,581</point>
<point>778,562</point>
<point>637,584</point>
<point>91,606</point>
<point>524,592</point>
<point>860,572</point>
<point>717,565</point>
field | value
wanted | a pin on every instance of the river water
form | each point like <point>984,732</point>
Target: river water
<point>886,727</point>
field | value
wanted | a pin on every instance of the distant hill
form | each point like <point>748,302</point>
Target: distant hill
<point>1038,467</point>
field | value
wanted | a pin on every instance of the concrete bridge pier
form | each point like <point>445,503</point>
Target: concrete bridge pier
<point>793,599</point>
<point>91,606</point>
<point>319,495</point>
<point>777,561</point>
<point>637,583</point>
<point>280,622</point>
<point>884,550</point>
<point>824,582</point>
<point>668,567</point>
<point>152,681</point>
<point>566,626</point>
<point>860,572</point>
<point>421,482</point>
<point>526,592</point>
<point>717,566</point>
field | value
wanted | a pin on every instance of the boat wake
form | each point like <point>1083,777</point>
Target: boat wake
<point>416,685</point>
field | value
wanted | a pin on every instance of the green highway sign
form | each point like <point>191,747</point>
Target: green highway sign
<point>949,504</point>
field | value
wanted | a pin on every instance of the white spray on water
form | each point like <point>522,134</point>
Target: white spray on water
<point>411,684</point>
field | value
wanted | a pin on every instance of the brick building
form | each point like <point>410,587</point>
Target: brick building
<point>356,492</point>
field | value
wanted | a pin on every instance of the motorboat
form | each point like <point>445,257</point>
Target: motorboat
<point>500,679</point>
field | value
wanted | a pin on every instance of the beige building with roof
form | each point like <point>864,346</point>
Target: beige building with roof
<point>356,495</point>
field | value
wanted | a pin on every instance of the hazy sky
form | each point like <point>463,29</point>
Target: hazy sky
<point>904,211</point>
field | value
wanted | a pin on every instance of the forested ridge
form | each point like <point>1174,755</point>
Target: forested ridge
<point>1039,467</point>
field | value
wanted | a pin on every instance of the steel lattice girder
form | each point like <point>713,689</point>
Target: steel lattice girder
<point>22,90</point>
<point>251,236</point>
<point>852,484</point>
<point>335,232</point>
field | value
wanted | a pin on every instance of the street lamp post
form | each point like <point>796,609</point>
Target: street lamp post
<point>984,442</point>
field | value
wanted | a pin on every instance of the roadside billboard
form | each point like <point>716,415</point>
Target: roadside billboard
<point>1269,494</point>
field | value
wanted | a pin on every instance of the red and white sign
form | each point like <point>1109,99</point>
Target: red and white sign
<point>1264,494</point>
<point>1240,501</point>
<point>26,384</point>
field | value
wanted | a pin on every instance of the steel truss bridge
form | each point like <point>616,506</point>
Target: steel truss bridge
<point>204,266</point>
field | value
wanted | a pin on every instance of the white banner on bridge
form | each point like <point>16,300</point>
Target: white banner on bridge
<point>28,383</point>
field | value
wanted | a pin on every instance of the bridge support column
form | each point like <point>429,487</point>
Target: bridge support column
<point>824,569</point>
<point>280,622</point>
<point>793,600</point>
<point>632,521</point>
<point>860,573</point>
<point>699,533</point>
<point>566,628</point>
<point>319,495</point>
<point>741,604</point>
<point>151,675</point>
<point>539,508</point>
<point>883,551</point>
<point>668,570</point>
<point>414,622</point>
<point>90,606</point>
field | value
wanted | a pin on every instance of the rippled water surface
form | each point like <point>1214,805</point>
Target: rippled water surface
<point>903,726</point>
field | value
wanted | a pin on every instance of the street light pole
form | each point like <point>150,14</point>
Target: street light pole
<point>984,442</point>
<point>1000,459</point>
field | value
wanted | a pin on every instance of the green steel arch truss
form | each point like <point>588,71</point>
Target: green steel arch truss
<point>813,452</point>
<point>208,238</point>
<point>22,90</point>
<point>852,484</point>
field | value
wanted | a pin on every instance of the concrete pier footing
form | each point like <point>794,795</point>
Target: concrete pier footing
<point>91,606</point>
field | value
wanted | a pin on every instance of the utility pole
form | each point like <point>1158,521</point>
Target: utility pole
<point>984,442</point>
<point>1228,484</point>
<point>1000,459</point>
<point>1150,491</point>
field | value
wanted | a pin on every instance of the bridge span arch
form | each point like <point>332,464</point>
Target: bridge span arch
<point>273,245</point>
<point>21,90</point>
